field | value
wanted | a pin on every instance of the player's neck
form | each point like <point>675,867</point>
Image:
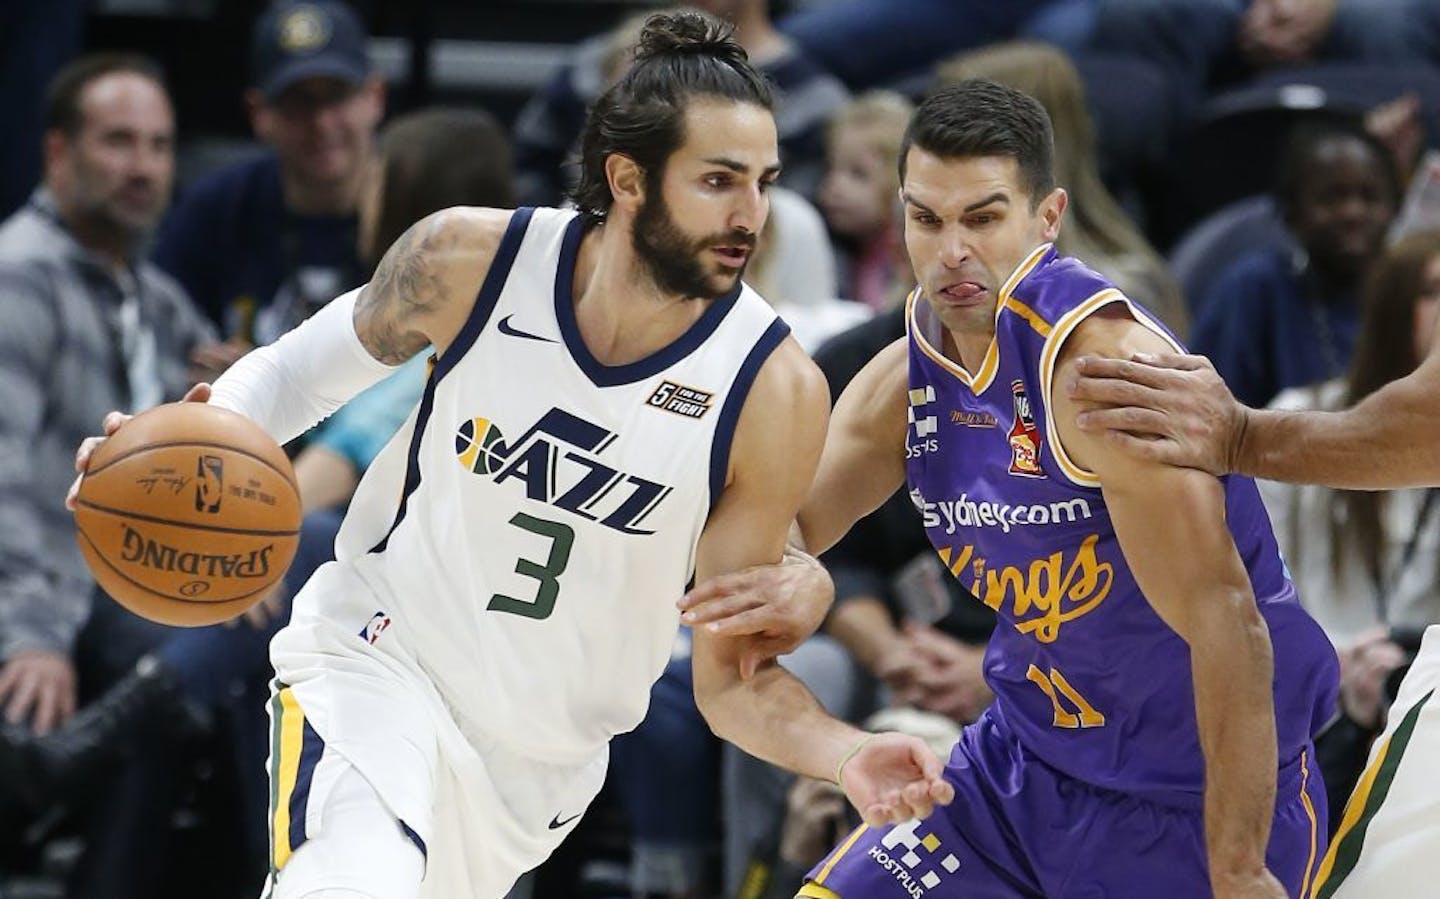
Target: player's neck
<point>623,316</point>
<point>967,349</point>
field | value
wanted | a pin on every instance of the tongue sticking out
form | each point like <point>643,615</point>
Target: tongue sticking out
<point>964,291</point>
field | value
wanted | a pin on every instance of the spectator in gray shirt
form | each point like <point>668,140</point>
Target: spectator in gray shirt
<point>86,325</point>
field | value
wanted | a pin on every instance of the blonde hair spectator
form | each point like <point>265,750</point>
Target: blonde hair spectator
<point>859,195</point>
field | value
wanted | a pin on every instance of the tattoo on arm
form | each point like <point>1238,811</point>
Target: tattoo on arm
<point>405,288</point>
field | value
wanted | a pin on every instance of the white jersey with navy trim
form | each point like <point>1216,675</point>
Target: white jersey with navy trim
<point>522,541</point>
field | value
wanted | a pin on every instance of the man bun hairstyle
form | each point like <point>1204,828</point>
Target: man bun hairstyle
<point>680,56</point>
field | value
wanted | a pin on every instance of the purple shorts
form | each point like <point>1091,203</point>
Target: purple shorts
<point>1019,828</point>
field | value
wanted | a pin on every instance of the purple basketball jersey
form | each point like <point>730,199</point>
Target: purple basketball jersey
<point>1085,674</point>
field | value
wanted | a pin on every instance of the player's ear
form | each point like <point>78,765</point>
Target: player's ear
<point>1052,213</point>
<point>627,181</point>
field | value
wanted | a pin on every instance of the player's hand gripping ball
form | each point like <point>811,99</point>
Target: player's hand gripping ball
<point>188,514</point>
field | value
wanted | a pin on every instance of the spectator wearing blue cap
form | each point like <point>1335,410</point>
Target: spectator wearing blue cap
<point>260,244</point>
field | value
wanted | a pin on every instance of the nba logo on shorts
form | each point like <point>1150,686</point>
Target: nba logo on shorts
<point>372,631</point>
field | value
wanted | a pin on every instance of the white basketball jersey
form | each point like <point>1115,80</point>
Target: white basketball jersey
<point>526,535</point>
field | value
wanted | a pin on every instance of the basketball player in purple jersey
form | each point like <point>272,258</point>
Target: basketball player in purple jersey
<point>1156,681</point>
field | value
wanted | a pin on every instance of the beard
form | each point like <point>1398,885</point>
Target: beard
<point>109,217</point>
<point>674,259</point>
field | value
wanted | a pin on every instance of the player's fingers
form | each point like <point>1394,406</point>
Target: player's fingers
<point>1178,361</point>
<point>1112,391</point>
<point>916,793</point>
<point>721,607</point>
<point>113,421</point>
<point>928,762</point>
<point>760,652</point>
<point>755,619</point>
<point>87,448</point>
<point>1129,418</point>
<point>73,493</point>
<point>1162,451</point>
<point>878,814</point>
<point>711,589</point>
<point>1131,371</point>
<point>200,393</point>
<point>942,792</point>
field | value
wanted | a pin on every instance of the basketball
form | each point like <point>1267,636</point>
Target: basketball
<point>188,514</point>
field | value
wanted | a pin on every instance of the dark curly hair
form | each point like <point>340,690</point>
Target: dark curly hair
<point>680,55</point>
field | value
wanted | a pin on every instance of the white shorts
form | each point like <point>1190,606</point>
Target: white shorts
<point>361,852</point>
<point>1389,838</point>
<point>355,740</point>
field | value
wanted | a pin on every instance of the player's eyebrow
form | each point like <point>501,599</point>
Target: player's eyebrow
<point>906,196</point>
<point>740,167</point>
<point>997,197</point>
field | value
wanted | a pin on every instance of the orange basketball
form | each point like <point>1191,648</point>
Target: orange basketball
<point>188,514</point>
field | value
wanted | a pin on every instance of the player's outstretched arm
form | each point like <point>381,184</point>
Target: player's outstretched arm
<point>1176,410</point>
<point>772,715</point>
<point>862,464</point>
<point>1188,568</point>
<point>420,295</point>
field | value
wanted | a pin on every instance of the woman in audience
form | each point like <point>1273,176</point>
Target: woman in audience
<point>860,197</point>
<point>1367,564</point>
<point>1096,229</point>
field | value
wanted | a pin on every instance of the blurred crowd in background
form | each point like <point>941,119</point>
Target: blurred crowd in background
<point>182,180</point>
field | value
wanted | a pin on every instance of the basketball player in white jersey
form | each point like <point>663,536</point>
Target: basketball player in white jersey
<point>610,413</point>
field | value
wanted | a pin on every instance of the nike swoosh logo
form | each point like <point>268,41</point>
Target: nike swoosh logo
<point>555,822</point>
<point>512,331</point>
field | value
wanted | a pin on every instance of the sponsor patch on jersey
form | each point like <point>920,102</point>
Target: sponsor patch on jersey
<point>1024,437</point>
<point>681,400</point>
<point>921,435</point>
<point>918,864</point>
<point>972,419</point>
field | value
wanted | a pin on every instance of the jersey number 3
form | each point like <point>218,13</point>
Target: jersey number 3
<point>562,537</point>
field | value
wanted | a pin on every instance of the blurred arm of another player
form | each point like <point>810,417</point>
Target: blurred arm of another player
<point>1175,409</point>
<point>888,777</point>
<point>1171,525</point>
